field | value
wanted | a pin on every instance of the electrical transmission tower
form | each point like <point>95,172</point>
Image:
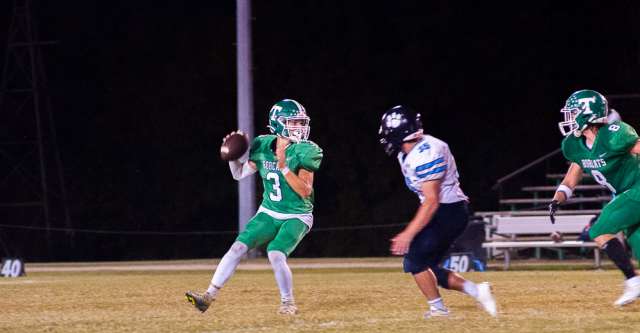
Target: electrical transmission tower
<point>32,188</point>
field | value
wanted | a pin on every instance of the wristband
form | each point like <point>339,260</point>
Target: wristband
<point>566,190</point>
<point>284,171</point>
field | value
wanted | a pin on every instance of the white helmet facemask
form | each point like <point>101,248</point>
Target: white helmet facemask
<point>298,128</point>
<point>569,124</point>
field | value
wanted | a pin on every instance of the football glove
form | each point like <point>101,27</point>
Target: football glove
<point>553,208</point>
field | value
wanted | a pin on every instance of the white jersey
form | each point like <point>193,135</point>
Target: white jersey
<point>431,159</point>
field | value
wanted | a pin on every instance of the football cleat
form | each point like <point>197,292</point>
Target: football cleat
<point>631,291</point>
<point>200,301</point>
<point>436,312</point>
<point>486,299</point>
<point>288,308</point>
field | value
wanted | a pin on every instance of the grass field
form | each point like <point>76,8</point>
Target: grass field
<point>367,299</point>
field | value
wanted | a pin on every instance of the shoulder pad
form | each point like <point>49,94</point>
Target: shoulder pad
<point>622,136</point>
<point>261,139</point>
<point>307,147</point>
<point>258,145</point>
<point>264,137</point>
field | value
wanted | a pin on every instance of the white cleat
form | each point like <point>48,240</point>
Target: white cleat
<point>631,291</point>
<point>288,308</point>
<point>486,299</point>
<point>436,312</point>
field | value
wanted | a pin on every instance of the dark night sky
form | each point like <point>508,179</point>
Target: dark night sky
<point>144,90</point>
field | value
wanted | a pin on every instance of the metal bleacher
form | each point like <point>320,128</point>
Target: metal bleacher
<point>588,195</point>
<point>523,219</point>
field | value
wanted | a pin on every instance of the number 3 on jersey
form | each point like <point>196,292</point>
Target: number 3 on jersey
<point>276,193</point>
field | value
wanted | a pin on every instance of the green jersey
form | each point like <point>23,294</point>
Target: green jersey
<point>278,196</point>
<point>609,160</point>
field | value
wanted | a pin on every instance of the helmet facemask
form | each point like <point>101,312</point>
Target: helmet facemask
<point>297,128</point>
<point>576,121</point>
<point>569,124</point>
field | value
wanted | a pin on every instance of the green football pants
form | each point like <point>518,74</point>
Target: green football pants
<point>281,235</point>
<point>621,214</point>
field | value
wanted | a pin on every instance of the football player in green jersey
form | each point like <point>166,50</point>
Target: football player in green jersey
<point>286,161</point>
<point>609,152</point>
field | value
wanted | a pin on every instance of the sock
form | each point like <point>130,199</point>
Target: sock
<point>212,291</point>
<point>634,281</point>
<point>437,303</point>
<point>619,256</point>
<point>282,273</point>
<point>227,267</point>
<point>470,289</point>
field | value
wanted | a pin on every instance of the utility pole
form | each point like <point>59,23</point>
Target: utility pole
<point>32,188</point>
<point>246,186</point>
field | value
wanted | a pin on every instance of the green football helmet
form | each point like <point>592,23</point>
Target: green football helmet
<point>582,108</point>
<point>289,119</point>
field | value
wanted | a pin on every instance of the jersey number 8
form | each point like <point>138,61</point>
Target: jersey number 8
<point>600,179</point>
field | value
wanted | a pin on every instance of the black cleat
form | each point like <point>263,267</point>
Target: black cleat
<point>200,301</point>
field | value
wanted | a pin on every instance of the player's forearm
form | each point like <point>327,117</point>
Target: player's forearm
<point>423,216</point>
<point>240,170</point>
<point>298,184</point>
<point>569,183</point>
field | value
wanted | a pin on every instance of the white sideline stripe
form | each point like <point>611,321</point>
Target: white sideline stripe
<point>2,283</point>
<point>19,280</point>
<point>204,267</point>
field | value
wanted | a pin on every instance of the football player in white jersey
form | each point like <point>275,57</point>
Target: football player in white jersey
<point>430,171</point>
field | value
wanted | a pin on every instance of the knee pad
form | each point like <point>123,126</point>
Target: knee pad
<point>442,276</point>
<point>238,249</point>
<point>276,257</point>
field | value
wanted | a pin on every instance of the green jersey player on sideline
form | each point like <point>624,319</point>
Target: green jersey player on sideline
<point>609,152</point>
<point>286,161</point>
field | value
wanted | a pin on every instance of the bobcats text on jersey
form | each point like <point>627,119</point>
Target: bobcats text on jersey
<point>593,164</point>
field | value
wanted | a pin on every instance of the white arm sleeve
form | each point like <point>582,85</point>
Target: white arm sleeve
<point>240,170</point>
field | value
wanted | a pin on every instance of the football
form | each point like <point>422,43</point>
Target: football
<point>234,146</point>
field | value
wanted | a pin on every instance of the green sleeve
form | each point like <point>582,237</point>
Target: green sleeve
<point>255,149</point>
<point>622,139</point>
<point>566,148</point>
<point>311,157</point>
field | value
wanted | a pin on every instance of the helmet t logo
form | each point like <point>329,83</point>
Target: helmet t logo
<point>586,104</point>
<point>273,111</point>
